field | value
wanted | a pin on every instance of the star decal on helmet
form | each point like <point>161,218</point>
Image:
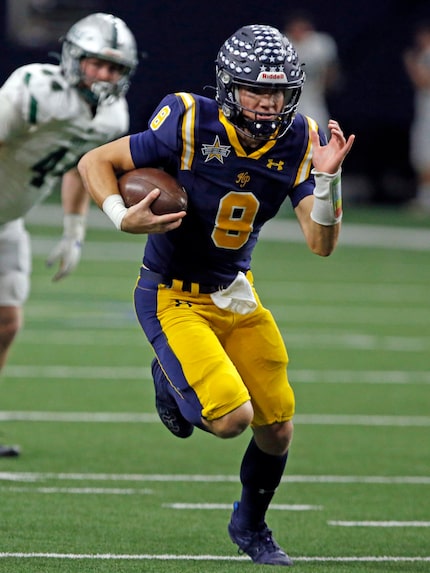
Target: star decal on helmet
<point>215,150</point>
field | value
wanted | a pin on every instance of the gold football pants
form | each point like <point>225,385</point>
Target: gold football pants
<point>215,360</point>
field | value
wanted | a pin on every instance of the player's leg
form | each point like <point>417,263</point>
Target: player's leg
<point>263,369</point>
<point>10,324</point>
<point>261,472</point>
<point>260,475</point>
<point>14,289</point>
<point>168,410</point>
<point>206,388</point>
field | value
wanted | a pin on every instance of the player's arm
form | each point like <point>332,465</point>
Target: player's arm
<point>75,203</point>
<point>321,239</point>
<point>99,169</point>
<point>320,214</point>
<point>11,119</point>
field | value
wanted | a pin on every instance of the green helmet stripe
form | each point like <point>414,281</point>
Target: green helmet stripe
<point>114,35</point>
<point>32,116</point>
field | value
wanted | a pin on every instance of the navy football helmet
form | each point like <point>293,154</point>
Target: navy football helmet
<point>258,56</point>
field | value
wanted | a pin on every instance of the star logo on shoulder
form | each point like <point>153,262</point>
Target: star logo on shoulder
<point>215,150</point>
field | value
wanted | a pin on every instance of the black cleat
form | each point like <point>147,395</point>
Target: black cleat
<point>259,544</point>
<point>167,408</point>
<point>9,451</point>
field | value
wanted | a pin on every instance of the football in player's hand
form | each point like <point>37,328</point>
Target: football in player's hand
<point>136,184</point>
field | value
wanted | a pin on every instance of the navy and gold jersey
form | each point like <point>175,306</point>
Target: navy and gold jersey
<point>231,191</point>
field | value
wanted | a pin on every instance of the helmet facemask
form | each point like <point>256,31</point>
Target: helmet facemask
<point>245,60</point>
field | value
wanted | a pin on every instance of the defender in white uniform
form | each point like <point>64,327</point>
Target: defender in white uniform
<point>50,115</point>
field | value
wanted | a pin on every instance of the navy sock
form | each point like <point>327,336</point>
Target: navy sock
<point>260,475</point>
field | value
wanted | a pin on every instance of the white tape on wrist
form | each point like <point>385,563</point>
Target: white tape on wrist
<point>113,206</point>
<point>327,207</point>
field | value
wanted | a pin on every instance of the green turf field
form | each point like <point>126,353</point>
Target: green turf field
<point>101,485</point>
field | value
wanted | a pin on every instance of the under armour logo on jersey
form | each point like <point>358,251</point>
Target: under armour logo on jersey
<point>215,150</point>
<point>271,163</point>
<point>179,302</point>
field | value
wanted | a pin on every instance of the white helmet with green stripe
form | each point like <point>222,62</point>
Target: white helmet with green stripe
<point>102,36</point>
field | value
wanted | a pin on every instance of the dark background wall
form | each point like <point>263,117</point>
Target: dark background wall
<point>181,38</point>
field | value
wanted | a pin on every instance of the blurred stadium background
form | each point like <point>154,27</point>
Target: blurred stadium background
<point>179,41</point>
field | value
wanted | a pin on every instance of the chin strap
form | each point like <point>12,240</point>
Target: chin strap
<point>89,96</point>
<point>259,129</point>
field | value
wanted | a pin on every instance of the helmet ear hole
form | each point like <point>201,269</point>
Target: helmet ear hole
<point>224,77</point>
<point>258,56</point>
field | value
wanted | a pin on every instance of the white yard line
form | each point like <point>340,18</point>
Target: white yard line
<point>227,506</point>
<point>349,341</point>
<point>140,373</point>
<point>149,418</point>
<point>33,477</point>
<point>172,557</point>
<point>355,235</point>
<point>278,229</point>
<point>380,523</point>
<point>77,372</point>
<point>78,490</point>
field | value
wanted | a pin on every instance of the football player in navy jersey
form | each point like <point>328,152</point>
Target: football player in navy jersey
<point>220,362</point>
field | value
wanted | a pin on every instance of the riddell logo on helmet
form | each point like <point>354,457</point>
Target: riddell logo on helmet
<point>271,76</point>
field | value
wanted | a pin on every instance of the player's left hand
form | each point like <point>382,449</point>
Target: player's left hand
<point>329,158</point>
<point>68,251</point>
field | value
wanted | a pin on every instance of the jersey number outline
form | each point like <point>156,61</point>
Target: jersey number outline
<point>46,165</point>
<point>160,118</point>
<point>234,220</point>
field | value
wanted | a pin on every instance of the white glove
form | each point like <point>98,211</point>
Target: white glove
<point>68,251</point>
